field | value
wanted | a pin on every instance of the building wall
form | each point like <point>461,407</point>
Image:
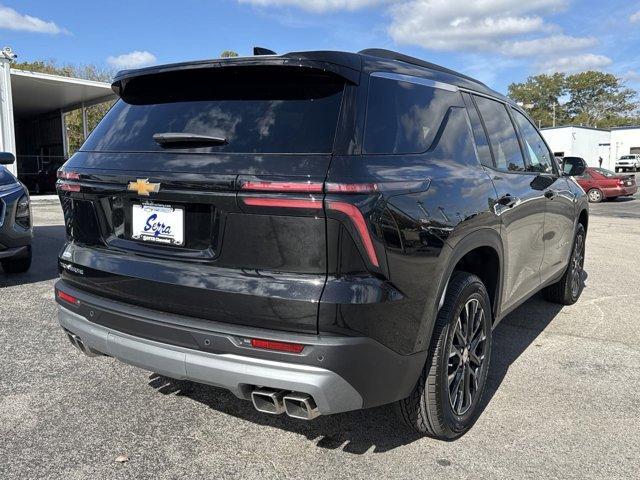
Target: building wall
<point>587,143</point>
<point>623,141</point>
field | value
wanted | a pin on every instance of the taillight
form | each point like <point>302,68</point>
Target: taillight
<point>68,298</point>
<point>63,175</point>
<point>273,186</point>
<point>69,187</point>
<point>277,346</point>
<point>283,202</point>
<point>620,182</point>
<point>356,217</point>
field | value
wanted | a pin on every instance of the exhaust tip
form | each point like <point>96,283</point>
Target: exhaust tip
<point>268,401</point>
<point>301,405</point>
<point>79,344</point>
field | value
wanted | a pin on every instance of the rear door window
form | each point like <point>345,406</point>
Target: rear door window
<point>403,116</point>
<point>258,110</point>
<point>502,135</point>
<point>537,151</point>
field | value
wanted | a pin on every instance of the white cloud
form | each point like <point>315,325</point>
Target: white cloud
<point>575,64</point>
<point>12,20</point>
<point>133,59</point>
<point>546,45</point>
<point>480,25</point>
<point>635,18</point>
<point>317,5</point>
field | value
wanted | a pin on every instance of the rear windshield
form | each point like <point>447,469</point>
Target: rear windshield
<point>257,109</point>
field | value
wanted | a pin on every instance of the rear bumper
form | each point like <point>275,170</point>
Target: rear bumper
<point>620,191</point>
<point>340,373</point>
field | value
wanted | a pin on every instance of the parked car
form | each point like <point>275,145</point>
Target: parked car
<point>321,232</point>
<point>628,163</point>
<point>15,220</point>
<point>601,184</point>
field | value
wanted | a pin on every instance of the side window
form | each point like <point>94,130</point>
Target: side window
<point>586,176</point>
<point>403,117</point>
<point>482,144</point>
<point>502,135</point>
<point>537,151</point>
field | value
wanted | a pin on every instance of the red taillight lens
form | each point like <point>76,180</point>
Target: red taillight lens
<point>68,298</point>
<point>62,175</point>
<point>620,182</point>
<point>268,186</point>
<point>283,202</point>
<point>278,346</point>
<point>361,226</point>
<point>70,187</point>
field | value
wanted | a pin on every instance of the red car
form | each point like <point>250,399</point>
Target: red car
<point>600,184</point>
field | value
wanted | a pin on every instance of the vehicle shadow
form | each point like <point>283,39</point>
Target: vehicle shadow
<point>378,428</point>
<point>47,242</point>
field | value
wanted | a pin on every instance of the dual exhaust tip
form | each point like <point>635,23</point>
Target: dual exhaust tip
<point>276,402</point>
<point>79,344</point>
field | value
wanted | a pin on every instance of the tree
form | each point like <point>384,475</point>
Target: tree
<point>75,133</point>
<point>591,98</point>
<point>598,99</point>
<point>540,97</point>
<point>228,53</point>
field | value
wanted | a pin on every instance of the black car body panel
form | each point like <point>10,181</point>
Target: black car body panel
<point>363,229</point>
<point>15,233</point>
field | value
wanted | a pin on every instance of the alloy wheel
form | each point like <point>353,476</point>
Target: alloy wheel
<point>595,195</point>
<point>577,264</point>
<point>467,356</point>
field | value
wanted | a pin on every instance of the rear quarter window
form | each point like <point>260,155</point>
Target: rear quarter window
<point>403,117</point>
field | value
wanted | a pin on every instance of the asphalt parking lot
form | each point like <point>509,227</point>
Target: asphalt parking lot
<point>563,397</point>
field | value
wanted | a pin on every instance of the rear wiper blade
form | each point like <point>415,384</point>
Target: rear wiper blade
<point>192,140</point>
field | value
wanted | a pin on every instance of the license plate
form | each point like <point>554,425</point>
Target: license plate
<point>158,224</point>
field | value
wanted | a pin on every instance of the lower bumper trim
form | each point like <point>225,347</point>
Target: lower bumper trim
<point>236,373</point>
<point>14,252</point>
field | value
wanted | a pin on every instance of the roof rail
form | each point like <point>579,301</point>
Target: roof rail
<point>382,53</point>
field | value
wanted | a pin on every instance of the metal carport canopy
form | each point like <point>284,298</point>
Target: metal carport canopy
<point>35,93</point>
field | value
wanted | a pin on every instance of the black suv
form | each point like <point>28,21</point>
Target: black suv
<point>317,231</point>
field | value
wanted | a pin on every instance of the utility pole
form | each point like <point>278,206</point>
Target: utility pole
<point>554,114</point>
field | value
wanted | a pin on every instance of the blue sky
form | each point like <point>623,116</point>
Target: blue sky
<point>497,41</point>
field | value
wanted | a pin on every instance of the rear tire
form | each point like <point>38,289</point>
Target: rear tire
<point>17,265</point>
<point>568,289</point>
<point>595,196</point>
<point>446,400</point>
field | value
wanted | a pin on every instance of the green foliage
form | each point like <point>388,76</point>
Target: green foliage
<point>95,113</point>
<point>229,53</point>
<point>591,98</point>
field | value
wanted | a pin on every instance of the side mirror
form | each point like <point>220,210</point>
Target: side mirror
<point>573,166</point>
<point>7,158</point>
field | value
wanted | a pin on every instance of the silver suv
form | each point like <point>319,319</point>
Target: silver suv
<point>628,162</point>
<point>15,220</point>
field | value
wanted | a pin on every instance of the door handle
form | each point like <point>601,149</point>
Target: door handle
<point>550,194</point>
<point>508,200</point>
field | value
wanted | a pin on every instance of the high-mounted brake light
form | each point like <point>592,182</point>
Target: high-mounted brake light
<point>70,187</point>
<point>68,298</point>
<point>283,202</point>
<point>269,186</point>
<point>275,345</point>
<point>355,215</point>
<point>62,175</point>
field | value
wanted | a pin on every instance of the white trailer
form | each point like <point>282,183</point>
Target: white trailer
<point>585,142</point>
<point>28,98</point>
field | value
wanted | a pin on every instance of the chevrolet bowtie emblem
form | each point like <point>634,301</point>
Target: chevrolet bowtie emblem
<point>143,187</point>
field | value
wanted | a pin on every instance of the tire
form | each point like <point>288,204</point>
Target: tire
<point>17,265</point>
<point>432,409</point>
<point>595,196</point>
<point>568,289</point>
<point>617,169</point>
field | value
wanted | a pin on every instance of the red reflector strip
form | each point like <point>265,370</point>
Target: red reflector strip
<point>68,298</point>
<point>68,175</point>
<point>70,187</point>
<point>361,226</point>
<point>283,203</point>
<point>264,186</point>
<point>352,187</point>
<point>274,345</point>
